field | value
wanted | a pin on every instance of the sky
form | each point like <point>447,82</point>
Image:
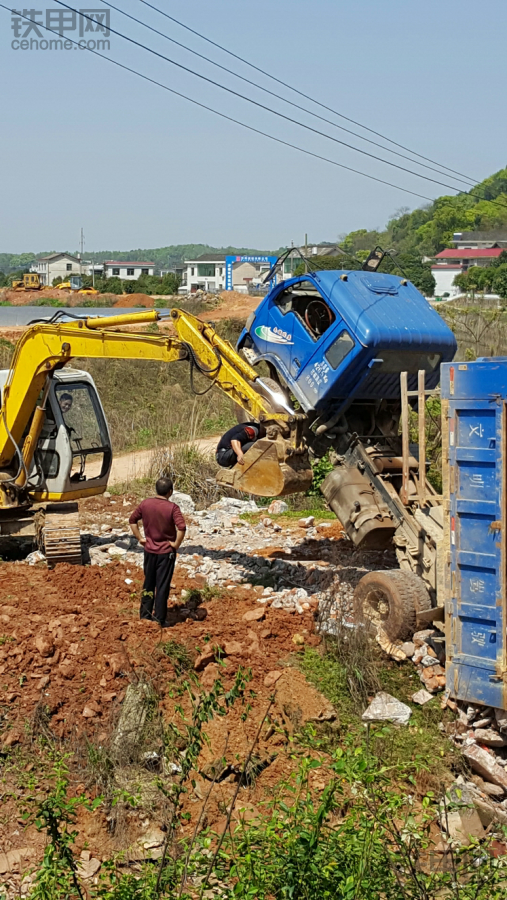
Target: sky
<point>89,145</point>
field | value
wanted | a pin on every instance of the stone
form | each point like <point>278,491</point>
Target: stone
<point>204,659</point>
<point>306,523</point>
<point>45,644</point>
<point>298,640</point>
<point>184,501</point>
<point>11,738</point>
<point>421,697</point>
<point>427,661</point>
<point>492,790</point>
<point>117,662</point>
<point>267,522</point>
<point>489,736</point>
<point>277,507</point>
<point>462,824</point>
<point>484,764</point>
<point>36,557</point>
<point>388,646</point>
<point>385,708</point>
<point>254,615</point>
<point>210,675</point>
<point>87,868</point>
<point>501,719</point>
<point>116,552</point>
<point>133,714</point>
<point>272,677</point>
<point>483,723</point>
<point>91,710</point>
<point>408,648</point>
<point>233,648</point>
<point>13,860</point>
<point>420,637</point>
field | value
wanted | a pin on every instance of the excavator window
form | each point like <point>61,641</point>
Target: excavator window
<point>84,422</point>
<point>311,309</point>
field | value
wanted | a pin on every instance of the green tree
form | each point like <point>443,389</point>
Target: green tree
<point>500,282</point>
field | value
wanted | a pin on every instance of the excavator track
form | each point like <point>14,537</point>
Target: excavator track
<point>61,535</point>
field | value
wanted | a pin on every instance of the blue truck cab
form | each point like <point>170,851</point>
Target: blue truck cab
<point>337,335</point>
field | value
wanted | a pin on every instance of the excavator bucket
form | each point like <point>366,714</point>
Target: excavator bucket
<point>271,469</point>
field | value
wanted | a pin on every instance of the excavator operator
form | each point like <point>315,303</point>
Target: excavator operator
<point>234,443</point>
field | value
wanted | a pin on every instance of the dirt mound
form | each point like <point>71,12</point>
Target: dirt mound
<point>232,305</point>
<point>130,300</point>
<point>71,637</point>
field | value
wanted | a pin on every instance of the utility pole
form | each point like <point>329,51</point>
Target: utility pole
<point>306,253</point>
<point>81,257</point>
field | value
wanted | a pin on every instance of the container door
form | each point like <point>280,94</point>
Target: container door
<point>476,611</point>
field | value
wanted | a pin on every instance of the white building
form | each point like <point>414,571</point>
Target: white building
<point>127,270</point>
<point>450,263</point>
<point>56,265</point>
<point>206,273</point>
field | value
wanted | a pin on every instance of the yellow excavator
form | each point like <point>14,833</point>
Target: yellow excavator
<point>53,430</point>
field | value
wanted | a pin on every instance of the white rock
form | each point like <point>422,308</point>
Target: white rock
<point>385,708</point>
<point>184,501</point>
<point>277,507</point>
<point>115,551</point>
<point>33,558</point>
<point>421,697</point>
<point>306,523</point>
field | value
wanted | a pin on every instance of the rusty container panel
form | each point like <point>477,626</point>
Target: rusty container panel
<point>474,399</point>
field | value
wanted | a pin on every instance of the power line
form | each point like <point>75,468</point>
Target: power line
<point>228,118</point>
<point>262,105</point>
<point>467,181</point>
<point>302,94</point>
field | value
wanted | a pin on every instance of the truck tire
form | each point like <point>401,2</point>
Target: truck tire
<point>392,600</point>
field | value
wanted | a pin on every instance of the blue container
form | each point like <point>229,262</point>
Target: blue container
<point>375,326</point>
<point>475,428</point>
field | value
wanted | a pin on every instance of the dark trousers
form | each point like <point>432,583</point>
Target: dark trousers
<point>158,573</point>
<point>227,458</point>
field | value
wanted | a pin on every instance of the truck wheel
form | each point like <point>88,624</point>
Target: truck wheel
<point>391,600</point>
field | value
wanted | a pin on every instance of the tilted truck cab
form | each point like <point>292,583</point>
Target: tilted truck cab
<point>337,335</point>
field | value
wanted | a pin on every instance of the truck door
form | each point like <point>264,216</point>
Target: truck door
<point>298,317</point>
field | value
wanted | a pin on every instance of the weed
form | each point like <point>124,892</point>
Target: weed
<point>195,596</point>
<point>180,657</point>
<point>56,814</point>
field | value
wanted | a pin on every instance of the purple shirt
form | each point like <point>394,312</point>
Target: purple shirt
<point>161,518</point>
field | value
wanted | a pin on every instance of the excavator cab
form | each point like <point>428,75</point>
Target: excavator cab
<point>74,453</point>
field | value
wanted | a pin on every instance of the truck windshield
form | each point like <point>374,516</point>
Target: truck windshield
<point>82,416</point>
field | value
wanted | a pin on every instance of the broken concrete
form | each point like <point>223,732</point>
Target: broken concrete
<point>385,708</point>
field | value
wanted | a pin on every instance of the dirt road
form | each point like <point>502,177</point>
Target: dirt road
<point>135,465</point>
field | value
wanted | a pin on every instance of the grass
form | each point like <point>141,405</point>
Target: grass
<point>421,742</point>
<point>321,515</point>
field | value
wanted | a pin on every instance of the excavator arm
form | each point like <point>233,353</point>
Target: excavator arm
<point>48,346</point>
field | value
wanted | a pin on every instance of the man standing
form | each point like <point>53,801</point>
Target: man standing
<point>164,529</point>
<point>235,443</point>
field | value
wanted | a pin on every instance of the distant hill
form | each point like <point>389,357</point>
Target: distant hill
<point>163,257</point>
<point>428,230</point>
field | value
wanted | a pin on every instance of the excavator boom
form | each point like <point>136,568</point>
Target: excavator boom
<point>47,347</point>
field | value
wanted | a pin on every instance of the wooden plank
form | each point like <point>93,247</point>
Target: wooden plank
<point>421,378</point>
<point>405,438</point>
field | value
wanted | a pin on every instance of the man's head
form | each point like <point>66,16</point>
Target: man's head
<point>164,487</point>
<point>65,401</point>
